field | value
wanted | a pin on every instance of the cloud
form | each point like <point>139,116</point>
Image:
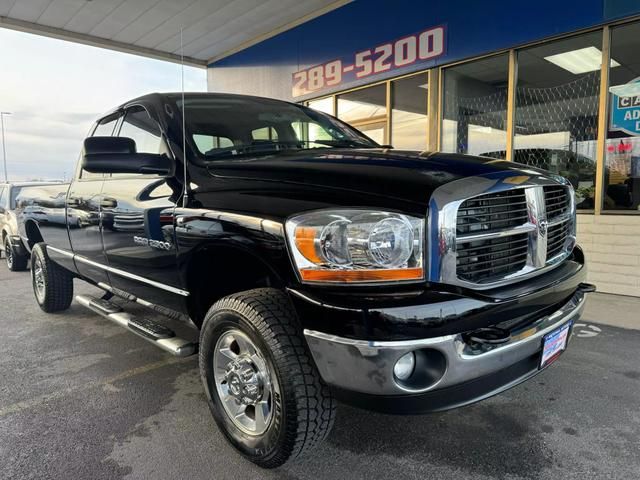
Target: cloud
<point>57,89</point>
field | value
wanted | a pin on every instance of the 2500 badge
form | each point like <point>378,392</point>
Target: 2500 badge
<point>160,245</point>
<point>405,51</point>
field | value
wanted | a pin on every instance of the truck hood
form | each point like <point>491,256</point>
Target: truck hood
<point>405,175</point>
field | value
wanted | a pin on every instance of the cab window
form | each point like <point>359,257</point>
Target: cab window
<point>204,143</point>
<point>145,131</point>
<point>264,133</point>
<point>104,128</point>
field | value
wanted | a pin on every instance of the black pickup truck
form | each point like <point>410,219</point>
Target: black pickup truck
<point>315,264</point>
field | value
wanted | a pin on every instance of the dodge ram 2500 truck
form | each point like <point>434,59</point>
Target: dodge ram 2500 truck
<point>315,264</point>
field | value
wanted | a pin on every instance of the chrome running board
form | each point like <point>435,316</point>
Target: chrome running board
<point>155,333</point>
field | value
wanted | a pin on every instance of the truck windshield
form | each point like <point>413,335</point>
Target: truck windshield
<point>222,127</point>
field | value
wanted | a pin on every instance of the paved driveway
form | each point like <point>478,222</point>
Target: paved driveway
<point>80,398</point>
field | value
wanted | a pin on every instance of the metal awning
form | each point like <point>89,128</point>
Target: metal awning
<point>212,29</point>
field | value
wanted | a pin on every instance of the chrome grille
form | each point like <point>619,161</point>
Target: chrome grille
<point>556,238</point>
<point>557,201</point>
<point>491,213</point>
<point>485,259</point>
<point>512,232</point>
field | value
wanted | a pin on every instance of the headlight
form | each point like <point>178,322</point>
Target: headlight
<point>356,246</point>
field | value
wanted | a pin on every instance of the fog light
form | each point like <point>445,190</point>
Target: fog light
<point>404,366</point>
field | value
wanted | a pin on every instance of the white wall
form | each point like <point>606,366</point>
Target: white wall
<point>612,248</point>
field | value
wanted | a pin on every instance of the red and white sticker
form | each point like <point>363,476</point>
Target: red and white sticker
<point>554,343</point>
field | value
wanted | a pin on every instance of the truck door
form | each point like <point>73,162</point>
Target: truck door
<point>138,222</point>
<point>83,213</point>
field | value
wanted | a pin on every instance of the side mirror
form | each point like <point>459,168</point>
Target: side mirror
<point>118,155</point>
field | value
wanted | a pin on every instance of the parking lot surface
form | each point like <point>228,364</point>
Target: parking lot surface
<point>81,398</point>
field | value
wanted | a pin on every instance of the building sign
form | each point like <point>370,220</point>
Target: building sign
<point>625,107</point>
<point>405,51</point>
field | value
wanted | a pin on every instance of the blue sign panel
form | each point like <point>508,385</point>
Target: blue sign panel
<point>389,56</point>
<point>372,40</point>
<point>625,107</point>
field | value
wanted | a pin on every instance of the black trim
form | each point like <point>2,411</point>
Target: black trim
<point>18,246</point>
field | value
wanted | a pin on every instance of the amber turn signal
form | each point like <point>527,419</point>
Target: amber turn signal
<point>306,243</point>
<point>354,276</point>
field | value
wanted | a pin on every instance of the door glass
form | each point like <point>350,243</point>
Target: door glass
<point>556,116</point>
<point>105,126</point>
<point>475,107</point>
<point>409,112</point>
<point>622,154</point>
<point>140,127</point>
<point>366,109</point>
<point>3,197</point>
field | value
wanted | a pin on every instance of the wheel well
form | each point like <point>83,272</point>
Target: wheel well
<point>214,273</point>
<point>33,233</point>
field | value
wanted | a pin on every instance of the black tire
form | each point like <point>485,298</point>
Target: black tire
<point>55,292</point>
<point>303,411</point>
<point>15,261</point>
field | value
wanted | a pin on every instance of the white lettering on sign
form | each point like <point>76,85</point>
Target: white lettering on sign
<point>632,115</point>
<point>405,51</point>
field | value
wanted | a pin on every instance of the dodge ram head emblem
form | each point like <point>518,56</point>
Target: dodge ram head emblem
<point>542,227</point>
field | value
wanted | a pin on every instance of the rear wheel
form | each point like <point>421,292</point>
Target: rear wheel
<point>52,284</point>
<point>15,261</point>
<point>263,389</point>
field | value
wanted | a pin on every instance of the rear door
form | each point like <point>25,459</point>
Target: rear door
<point>138,222</point>
<point>83,213</point>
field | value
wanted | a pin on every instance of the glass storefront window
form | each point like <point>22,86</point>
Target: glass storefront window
<point>366,110</point>
<point>475,107</point>
<point>324,105</point>
<point>622,152</point>
<point>409,103</point>
<point>556,114</point>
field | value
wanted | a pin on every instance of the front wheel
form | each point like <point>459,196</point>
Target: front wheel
<point>52,284</point>
<point>263,389</point>
<point>15,261</point>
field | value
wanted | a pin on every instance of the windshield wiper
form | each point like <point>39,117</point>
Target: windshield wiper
<point>266,147</point>
<point>341,143</point>
<point>271,146</point>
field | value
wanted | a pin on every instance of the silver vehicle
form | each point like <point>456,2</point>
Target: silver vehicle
<point>15,254</point>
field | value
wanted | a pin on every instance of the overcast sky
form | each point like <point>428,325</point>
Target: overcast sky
<point>56,89</point>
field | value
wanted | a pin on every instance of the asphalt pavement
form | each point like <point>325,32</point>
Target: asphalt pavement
<point>80,398</point>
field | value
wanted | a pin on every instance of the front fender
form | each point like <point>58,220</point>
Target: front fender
<point>198,229</point>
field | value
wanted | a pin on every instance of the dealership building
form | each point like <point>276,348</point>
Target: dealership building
<point>550,84</point>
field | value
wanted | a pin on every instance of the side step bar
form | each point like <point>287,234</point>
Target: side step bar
<point>155,333</point>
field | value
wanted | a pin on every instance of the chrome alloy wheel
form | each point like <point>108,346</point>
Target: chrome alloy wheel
<point>244,383</point>
<point>38,279</point>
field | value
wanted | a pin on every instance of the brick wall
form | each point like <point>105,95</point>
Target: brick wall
<point>612,247</point>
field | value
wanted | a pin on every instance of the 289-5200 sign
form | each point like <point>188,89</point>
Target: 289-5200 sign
<point>400,53</point>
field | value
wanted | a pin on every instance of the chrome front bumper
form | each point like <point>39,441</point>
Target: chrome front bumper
<point>367,366</point>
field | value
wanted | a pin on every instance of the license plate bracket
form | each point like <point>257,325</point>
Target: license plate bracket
<point>554,343</point>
